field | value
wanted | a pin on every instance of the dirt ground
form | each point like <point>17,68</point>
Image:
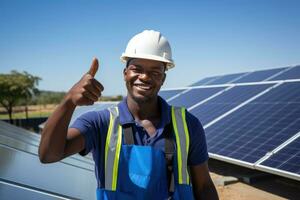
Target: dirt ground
<point>242,191</point>
<point>264,188</point>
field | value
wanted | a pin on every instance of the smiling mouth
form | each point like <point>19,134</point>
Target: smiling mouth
<point>142,86</point>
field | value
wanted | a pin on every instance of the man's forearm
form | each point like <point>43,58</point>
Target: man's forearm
<point>208,192</point>
<point>54,134</point>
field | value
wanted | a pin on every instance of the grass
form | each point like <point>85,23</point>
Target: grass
<point>33,112</point>
<point>22,115</point>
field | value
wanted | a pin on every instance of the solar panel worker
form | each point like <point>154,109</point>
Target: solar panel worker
<point>143,148</point>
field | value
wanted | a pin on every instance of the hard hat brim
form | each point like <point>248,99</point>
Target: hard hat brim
<point>125,57</point>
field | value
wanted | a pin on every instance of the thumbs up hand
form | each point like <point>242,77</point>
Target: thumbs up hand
<point>88,89</point>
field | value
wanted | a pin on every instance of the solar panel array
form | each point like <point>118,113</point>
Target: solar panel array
<point>22,176</point>
<point>250,119</point>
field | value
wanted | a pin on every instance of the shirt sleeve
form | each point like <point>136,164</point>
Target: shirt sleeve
<point>198,149</point>
<point>88,125</point>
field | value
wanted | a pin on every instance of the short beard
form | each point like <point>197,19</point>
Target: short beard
<point>141,100</point>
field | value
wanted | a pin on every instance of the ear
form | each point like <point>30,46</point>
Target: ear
<point>124,73</point>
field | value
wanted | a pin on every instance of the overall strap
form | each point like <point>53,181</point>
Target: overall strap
<point>169,156</point>
<point>112,150</point>
<point>128,135</point>
<point>182,143</point>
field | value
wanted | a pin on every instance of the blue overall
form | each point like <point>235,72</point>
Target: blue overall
<point>139,172</point>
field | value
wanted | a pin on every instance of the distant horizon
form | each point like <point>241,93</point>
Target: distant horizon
<point>164,88</point>
<point>57,41</point>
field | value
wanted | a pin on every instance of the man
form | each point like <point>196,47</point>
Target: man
<point>143,148</point>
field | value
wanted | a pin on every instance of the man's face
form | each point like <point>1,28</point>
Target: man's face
<point>144,78</point>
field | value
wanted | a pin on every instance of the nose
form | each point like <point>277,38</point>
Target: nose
<point>144,76</point>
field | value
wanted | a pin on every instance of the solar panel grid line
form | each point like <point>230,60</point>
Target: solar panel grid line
<point>177,88</point>
<point>245,84</point>
<point>278,172</point>
<point>19,146</point>
<point>255,166</point>
<point>231,160</point>
<point>281,146</point>
<point>212,80</point>
<point>210,86</point>
<point>279,73</point>
<point>242,84</point>
<point>231,84</point>
<point>18,166</point>
<point>35,190</point>
<point>241,105</point>
<point>242,76</point>
<point>28,137</point>
<point>288,126</point>
<point>225,79</point>
<point>194,96</point>
<point>202,81</point>
<point>12,143</point>
<point>25,139</point>
<point>287,161</point>
<point>166,94</point>
<point>179,94</point>
<point>254,138</point>
<point>287,158</point>
<point>209,98</point>
<point>293,73</point>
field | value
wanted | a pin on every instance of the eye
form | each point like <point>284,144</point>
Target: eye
<point>134,69</point>
<point>156,73</point>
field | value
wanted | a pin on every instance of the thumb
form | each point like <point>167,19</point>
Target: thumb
<point>94,67</point>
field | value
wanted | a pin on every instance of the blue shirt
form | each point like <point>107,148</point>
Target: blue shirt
<point>94,125</point>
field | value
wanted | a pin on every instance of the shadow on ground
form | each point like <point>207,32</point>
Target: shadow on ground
<point>281,186</point>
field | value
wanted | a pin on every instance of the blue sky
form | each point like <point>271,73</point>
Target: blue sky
<point>57,40</point>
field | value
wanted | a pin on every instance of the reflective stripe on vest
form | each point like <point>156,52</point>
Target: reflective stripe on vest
<point>112,150</point>
<point>182,143</point>
<point>114,140</point>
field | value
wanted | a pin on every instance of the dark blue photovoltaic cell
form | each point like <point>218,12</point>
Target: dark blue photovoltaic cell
<point>287,159</point>
<point>258,76</point>
<point>225,79</point>
<point>293,73</point>
<point>204,81</point>
<point>166,94</point>
<point>258,127</point>
<point>194,96</point>
<point>226,101</point>
<point>83,109</point>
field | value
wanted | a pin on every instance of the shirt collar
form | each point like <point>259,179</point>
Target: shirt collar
<point>127,118</point>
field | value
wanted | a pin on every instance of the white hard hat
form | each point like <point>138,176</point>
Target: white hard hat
<point>150,45</point>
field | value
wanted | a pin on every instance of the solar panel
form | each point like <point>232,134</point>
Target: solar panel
<point>292,73</point>
<point>258,75</point>
<point>226,79</point>
<point>166,94</point>
<point>226,101</point>
<point>204,81</point>
<point>258,127</point>
<point>21,171</point>
<point>286,159</point>
<point>194,96</point>
<point>10,191</point>
<point>32,139</point>
<point>96,107</point>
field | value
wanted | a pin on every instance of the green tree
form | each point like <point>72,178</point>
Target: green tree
<point>49,97</point>
<point>16,87</point>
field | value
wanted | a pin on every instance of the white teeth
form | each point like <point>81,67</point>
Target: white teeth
<point>143,87</point>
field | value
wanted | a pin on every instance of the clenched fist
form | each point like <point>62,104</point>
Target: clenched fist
<point>88,89</point>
